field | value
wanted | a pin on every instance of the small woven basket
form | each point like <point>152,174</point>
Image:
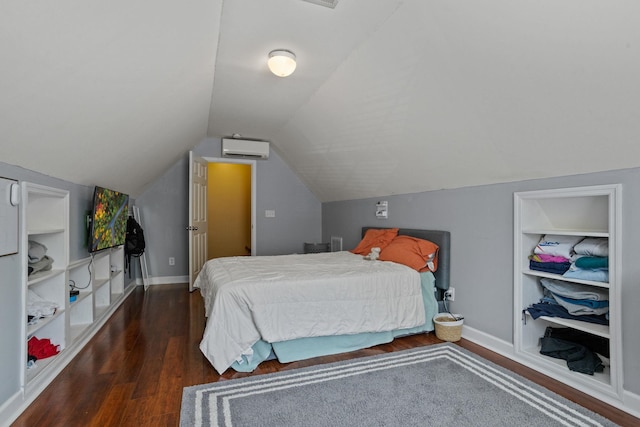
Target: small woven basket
<point>447,327</point>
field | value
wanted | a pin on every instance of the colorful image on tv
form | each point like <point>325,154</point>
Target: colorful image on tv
<point>108,219</point>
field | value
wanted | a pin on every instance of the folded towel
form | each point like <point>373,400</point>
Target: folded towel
<point>595,275</point>
<point>575,290</point>
<point>548,258</point>
<point>591,262</point>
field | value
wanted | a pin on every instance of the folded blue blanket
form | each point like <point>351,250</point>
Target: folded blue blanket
<point>581,307</point>
<point>595,275</point>
<point>584,302</point>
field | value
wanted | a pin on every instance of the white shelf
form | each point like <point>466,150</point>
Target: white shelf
<point>41,276</point>
<point>560,277</point>
<point>42,323</point>
<point>568,232</point>
<point>583,211</point>
<point>100,310</point>
<point>559,365</point>
<point>591,328</point>
<point>81,296</point>
<point>39,231</point>
<point>39,367</point>
<point>75,331</point>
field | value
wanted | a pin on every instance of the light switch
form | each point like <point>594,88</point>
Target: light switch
<point>269,213</point>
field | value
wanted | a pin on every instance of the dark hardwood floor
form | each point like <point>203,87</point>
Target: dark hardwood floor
<point>133,371</point>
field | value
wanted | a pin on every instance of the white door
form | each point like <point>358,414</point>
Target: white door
<point>197,216</point>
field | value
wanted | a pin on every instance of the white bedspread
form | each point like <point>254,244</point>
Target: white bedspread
<point>279,298</point>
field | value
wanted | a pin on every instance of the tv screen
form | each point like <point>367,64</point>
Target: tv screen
<point>108,219</point>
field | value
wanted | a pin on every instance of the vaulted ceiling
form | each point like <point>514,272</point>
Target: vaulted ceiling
<point>389,97</point>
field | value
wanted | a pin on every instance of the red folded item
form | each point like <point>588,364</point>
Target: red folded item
<point>41,348</point>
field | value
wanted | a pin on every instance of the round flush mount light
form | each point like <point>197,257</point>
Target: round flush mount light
<point>282,62</point>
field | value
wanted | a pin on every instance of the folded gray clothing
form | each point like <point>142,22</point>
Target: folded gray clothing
<point>43,265</point>
<point>579,309</point>
<point>575,290</point>
<point>37,251</point>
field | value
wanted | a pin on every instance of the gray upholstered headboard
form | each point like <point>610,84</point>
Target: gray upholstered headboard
<point>440,238</point>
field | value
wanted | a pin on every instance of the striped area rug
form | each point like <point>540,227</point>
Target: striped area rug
<point>438,385</point>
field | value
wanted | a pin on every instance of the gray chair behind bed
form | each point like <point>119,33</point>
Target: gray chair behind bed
<point>443,240</point>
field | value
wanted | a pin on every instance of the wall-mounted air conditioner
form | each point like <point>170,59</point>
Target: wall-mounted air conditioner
<point>245,148</point>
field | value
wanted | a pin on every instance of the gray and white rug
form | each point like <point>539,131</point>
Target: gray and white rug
<point>438,385</point>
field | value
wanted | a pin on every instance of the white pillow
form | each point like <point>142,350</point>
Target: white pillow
<point>551,244</point>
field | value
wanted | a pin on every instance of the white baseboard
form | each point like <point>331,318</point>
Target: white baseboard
<point>165,280</point>
<point>490,342</point>
<point>630,402</point>
<point>10,409</point>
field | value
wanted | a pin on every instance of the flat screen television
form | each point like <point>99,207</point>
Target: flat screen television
<point>109,215</point>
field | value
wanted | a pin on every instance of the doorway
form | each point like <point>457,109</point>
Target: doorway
<point>198,210</point>
<point>228,182</point>
<point>229,210</point>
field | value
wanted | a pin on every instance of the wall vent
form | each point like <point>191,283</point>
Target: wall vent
<point>326,3</point>
<point>336,244</point>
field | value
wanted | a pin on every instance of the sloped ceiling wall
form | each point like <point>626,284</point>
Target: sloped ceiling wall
<point>389,97</point>
<point>109,93</point>
<point>452,94</point>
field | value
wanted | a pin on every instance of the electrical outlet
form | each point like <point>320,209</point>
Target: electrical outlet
<point>172,261</point>
<point>450,294</point>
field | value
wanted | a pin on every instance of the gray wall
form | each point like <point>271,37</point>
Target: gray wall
<point>480,220</point>
<point>164,213</point>
<point>164,210</point>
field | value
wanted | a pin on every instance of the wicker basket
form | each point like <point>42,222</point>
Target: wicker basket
<point>447,327</point>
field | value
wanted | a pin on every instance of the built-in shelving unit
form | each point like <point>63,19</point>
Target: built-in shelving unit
<point>99,278</point>
<point>584,211</point>
<point>45,220</point>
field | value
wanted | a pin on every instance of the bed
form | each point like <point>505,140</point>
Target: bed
<point>294,307</point>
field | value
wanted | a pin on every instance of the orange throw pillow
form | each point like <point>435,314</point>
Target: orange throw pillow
<point>419,254</point>
<point>375,238</point>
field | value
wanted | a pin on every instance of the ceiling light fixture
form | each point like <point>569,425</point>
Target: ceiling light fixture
<point>282,62</point>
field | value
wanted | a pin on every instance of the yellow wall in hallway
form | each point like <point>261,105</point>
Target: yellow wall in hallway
<point>229,209</point>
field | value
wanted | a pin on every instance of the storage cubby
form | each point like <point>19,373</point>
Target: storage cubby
<point>116,259</point>
<point>81,309</point>
<point>53,328</point>
<point>581,212</point>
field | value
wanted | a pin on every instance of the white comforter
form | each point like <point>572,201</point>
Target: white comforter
<point>279,298</point>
